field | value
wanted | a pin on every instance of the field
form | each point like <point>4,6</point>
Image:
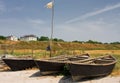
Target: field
<point>45,54</point>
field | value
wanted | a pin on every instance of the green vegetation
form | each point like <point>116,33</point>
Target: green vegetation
<point>2,38</point>
<point>43,38</point>
<point>93,42</point>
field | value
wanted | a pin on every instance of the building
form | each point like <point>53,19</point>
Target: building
<point>28,38</point>
<point>12,38</point>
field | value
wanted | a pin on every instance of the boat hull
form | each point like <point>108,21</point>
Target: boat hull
<point>49,67</point>
<point>79,71</point>
<point>19,64</point>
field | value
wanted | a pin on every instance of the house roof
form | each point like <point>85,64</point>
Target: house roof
<point>29,36</point>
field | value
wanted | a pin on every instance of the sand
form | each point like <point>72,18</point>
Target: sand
<point>33,76</point>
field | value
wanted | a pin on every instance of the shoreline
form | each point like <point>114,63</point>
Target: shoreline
<point>33,76</point>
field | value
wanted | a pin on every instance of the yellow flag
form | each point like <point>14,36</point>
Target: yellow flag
<point>49,5</point>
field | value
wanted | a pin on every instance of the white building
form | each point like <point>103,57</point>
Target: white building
<point>13,38</point>
<point>28,38</point>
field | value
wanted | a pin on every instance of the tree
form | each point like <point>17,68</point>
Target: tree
<point>43,38</point>
<point>93,42</point>
<point>2,38</point>
<point>115,43</point>
<point>77,41</point>
<point>61,40</point>
<point>56,39</point>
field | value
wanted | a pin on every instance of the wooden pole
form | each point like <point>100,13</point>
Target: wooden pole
<point>52,26</point>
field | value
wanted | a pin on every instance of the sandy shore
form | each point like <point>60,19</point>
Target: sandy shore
<point>33,76</point>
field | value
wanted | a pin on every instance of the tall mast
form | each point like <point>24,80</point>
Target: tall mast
<point>52,26</point>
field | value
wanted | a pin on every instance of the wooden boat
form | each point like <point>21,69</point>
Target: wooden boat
<point>95,67</point>
<point>56,64</point>
<point>16,64</point>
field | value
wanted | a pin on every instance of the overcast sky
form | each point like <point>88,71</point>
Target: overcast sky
<point>80,20</point>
